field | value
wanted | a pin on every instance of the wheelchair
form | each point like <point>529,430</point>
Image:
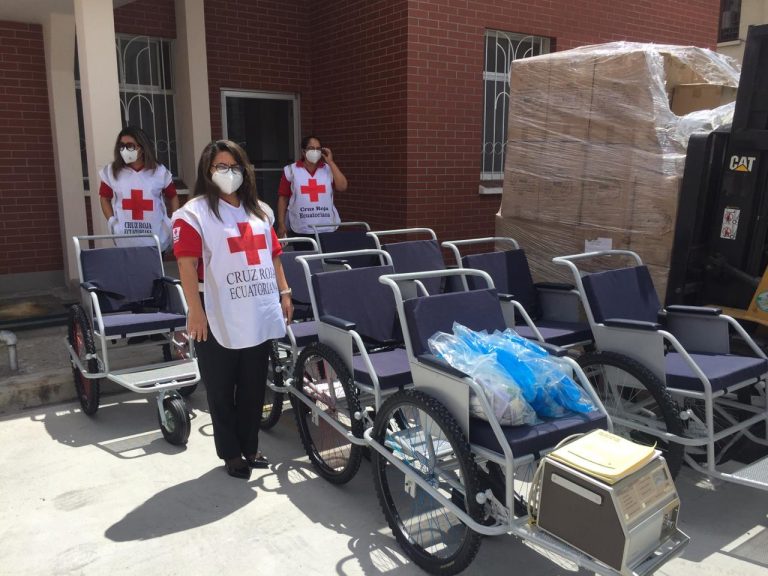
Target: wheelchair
<point>126,295</point>
<point>345,237</point>
<point>547,312</point>
<point>443,478</point>
<point>298,334</point>
<point>340,380</point>
<point>668,375</point>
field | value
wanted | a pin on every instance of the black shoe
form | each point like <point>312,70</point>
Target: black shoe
<point>260,461</point>
<point>239,469</point>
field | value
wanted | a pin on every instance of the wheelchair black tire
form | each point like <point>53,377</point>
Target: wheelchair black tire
<point>273,401</point>
<point>348,463</point>
<point>168,356</point>
<point>667,410</point>
<point>179,425</point>
<point>469,540</point>
<point>80,336</point>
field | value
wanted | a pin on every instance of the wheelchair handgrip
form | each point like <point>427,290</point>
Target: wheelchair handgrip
<point>440,364</point>
<point>91,287</point>
<point>169,280</point>
<point>555,286</point>
<point>695,310</point>
<point>506,297</point>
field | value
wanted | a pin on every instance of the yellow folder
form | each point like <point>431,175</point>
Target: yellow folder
<point>603,455</point>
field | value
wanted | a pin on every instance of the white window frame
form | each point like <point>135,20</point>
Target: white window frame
<point>507,44</point>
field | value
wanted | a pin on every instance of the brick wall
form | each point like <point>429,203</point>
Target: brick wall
<point>29,213</point>
<point>445,87</point>
<point>156,18</point>
<point>359,87</point>
<point>258,46</point>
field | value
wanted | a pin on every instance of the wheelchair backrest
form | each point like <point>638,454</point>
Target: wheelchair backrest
<point>344,240</point>
<point>294,274</point>
<point>626,293</point>
<point>357,296</point>
<point>511,275</point>
<point>418,256</point>
<point>478,310</point>
<point>129,271</point>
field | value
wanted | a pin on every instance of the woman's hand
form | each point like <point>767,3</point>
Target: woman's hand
<point>287,305</point>
<point>197,325</point>
<point>327,155</point>
<point>281,231</point>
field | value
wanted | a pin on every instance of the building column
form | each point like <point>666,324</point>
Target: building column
<point>59,39</point>
<point>193,110</point>
<point>95,25</point>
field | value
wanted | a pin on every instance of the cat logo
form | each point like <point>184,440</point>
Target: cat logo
<point>742,163</point>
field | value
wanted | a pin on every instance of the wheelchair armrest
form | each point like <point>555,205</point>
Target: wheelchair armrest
<point>696,310</point>
<point>553,350</point>
<point>91,287</point>
<point>337,322</point>
<point>555,286</point>
<point>440,364</point>
<point>506,297</point>
<point>169,280</point>
<point>633,324</point>
<point>337,261</point>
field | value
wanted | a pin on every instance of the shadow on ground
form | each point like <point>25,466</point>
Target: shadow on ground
<point>194,503</point>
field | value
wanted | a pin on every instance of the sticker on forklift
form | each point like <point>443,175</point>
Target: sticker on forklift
<point>762,301</point>
<point>730,223</point>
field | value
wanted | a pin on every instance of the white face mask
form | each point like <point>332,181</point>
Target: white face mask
<point>228,182</point>
<point>313,156</point>
<point>129,156</point>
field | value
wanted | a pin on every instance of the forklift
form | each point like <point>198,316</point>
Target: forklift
<point>720,250</point>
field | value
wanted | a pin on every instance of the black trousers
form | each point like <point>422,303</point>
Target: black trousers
<point>235,382</point>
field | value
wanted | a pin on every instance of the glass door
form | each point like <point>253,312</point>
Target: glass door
<point>266,125</point>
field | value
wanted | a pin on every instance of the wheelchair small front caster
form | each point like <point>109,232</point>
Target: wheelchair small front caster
<point>174,421</point>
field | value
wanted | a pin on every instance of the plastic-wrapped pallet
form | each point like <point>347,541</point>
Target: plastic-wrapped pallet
<point>595,155</point>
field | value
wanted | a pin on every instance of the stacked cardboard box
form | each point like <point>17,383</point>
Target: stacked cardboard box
<point>595,155</point>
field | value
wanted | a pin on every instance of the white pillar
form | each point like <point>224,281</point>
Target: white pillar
<point>95,25</point>
<point>193,110</point>
<point>59,38</point>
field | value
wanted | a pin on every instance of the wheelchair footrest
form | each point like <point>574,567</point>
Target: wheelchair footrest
<point>756,473</point>
<point>157,376</point>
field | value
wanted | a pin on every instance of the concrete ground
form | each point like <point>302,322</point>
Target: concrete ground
<point>107,495</point>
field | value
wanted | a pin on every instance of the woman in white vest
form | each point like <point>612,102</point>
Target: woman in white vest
<point>305,196</point>
<point>224,236</point>
<point>134,188</point>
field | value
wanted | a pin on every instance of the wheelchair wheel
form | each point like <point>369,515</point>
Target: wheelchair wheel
<point>420,432</point>
<point>177,422</point>
<point>179,353</point>
<point>273,401</point>
<point>630,391</point>
<point>322,377</point>
<point>80,338</point>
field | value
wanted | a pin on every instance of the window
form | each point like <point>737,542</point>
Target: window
<point>145,76</point>
<point>730,17</point>
<point>501,49</point>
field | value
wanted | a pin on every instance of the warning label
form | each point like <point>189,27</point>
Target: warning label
<point>730,224</point>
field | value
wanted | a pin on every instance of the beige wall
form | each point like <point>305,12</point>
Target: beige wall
<point>752,12</point>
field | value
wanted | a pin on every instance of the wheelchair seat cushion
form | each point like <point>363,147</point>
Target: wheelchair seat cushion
<point>391,367</point>
<point>557,333</point>
<point>624,293</point>
<point>722,370</point>
<point>477,310</point>
<point>532,439</point>
<point>304,332</point>
<point>511,274</point>
<point>123,324</point>
<point>418,256</point>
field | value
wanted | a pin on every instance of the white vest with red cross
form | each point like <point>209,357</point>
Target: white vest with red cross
<point>242,300</point>
<point>138,203</point>
<point>311,198</point>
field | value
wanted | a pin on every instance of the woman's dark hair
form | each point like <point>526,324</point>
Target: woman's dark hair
<point>306,139</point>
<point>205,186</point>
<point>150,159</point>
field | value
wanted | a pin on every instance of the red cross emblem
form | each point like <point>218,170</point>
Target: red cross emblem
<point>247,242</point>
<point>313,189</point>
<point>137,205</point>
